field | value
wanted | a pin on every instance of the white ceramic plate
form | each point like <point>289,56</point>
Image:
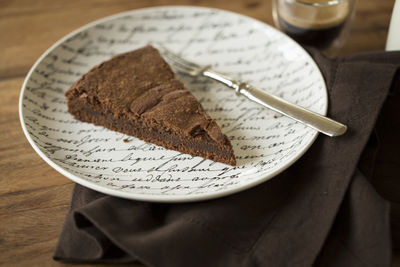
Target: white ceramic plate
<point>264,142</point>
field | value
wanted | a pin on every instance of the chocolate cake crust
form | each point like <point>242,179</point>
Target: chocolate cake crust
<point>136,93</point>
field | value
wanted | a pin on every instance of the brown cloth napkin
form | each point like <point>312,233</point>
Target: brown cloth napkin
<point>322,211</point>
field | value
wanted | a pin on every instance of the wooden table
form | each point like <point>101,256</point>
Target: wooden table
<point>34,198</point>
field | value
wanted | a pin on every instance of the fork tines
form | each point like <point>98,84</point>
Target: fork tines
<point>181,64</point>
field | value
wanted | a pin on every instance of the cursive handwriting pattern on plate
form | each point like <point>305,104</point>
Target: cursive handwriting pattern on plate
<point>264,141</point>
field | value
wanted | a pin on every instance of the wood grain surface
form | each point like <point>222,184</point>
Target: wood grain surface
<point>34,198</point>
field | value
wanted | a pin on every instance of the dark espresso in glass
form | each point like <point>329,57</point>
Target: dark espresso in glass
<point>318,26</point>
<point>320,38</point>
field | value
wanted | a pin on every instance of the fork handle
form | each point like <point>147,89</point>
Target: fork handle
<point>314,120</point>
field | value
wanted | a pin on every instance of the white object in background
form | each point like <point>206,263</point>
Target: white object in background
<point>393,40</point>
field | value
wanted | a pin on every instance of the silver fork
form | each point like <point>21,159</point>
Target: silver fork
<point>314,120</point>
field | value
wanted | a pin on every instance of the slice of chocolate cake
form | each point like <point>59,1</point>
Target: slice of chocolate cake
<point>136,93</point>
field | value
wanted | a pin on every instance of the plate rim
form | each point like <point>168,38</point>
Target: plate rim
<point>150,197</point>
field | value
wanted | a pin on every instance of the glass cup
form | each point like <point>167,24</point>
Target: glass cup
<point>323,24</point>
